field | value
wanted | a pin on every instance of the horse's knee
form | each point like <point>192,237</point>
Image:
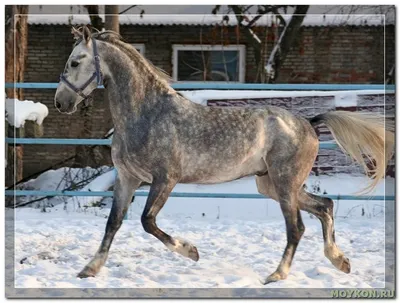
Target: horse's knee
<point>148,223</point>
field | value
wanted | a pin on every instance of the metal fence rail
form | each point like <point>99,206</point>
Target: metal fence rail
<point>239,86</point>
<point>190,86</point>
<point>51,141</point>
<point>176,195</point>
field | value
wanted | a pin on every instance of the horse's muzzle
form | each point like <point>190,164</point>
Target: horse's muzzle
<point>64,103</point>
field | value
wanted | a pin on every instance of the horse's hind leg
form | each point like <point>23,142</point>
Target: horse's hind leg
<point>124,189</point>
<point>158,195</point>
<point>322,208</point>
<point>287,196</point>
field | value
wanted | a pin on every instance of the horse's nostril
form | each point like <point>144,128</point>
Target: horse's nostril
<point>58,105</point>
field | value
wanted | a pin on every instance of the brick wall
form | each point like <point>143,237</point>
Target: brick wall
<point>322,55</point>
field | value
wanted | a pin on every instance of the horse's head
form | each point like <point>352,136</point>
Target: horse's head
<point>81,74</point>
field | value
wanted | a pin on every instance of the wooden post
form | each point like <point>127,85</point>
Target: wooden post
<point>16,39</point>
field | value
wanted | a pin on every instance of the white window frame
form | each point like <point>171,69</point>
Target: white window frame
<point>140,46</point>
<point>208,47</point>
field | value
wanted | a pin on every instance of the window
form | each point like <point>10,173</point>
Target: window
<point>139,47</point>
<point>208,63</point>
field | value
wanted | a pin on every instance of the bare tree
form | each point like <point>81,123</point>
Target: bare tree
<point>285,42</point>
<point>287,37</point>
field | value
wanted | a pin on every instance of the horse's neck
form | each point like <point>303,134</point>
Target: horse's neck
<point>129,90</point>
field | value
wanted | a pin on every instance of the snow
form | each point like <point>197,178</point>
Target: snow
<point>239,240</point>
<point>346,100</point>
<point>110,133</point>
<point>342,98</point>
<point>56,179</point>
<point>20,111</point>
<point>100,183</point>
<point>210,19</point>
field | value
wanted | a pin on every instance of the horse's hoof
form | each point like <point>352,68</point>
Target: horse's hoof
<point>184,248</point>
<point>275,277</point>
<point>87,272</point>
<point>345,266</point>
<point>342,263</point>
<point>194,254</point>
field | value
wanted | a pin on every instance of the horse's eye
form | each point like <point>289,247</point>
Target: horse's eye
<point>74,63</point>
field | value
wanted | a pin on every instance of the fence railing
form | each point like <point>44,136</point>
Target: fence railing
<point>239,86</point>
<point>189,86</point>
<point>140,193</point>
<point>51,141</point>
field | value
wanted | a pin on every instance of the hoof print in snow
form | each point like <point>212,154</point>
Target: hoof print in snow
<point>45,256</point>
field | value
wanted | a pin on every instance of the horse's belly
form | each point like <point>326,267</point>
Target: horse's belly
<point>209,174</point>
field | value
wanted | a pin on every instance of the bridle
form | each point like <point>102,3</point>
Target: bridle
<point>96,74</point>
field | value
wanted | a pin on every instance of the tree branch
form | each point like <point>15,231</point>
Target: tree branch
<point>71,187</point>
<point>125,10</point>
<point>286,41</point>
<point>254,20</point>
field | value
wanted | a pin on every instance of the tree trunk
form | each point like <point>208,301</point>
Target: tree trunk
<point>289,37</point>
<point>95,20</point>
<point>16,40</point>
<point>112,18</point>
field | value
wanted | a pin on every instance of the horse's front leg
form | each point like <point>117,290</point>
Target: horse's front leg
<point>158,195</point>
<point>124,189</point>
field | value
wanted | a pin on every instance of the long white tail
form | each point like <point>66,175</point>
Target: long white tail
<point>362,135</point>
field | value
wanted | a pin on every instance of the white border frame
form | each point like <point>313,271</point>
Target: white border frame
<point>141,47</point>
<point>208,47</point>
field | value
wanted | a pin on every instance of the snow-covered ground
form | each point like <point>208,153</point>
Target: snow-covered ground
<point>239,242</point>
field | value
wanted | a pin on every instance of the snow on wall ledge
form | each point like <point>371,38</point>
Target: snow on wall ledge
<point>211,19</point>
<point>340,98</point>
<point>17,112</point>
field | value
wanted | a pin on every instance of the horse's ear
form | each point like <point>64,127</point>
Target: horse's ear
<point>77,34</point>
<point>86,34</point>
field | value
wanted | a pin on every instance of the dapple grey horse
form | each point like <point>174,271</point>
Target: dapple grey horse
<point>162,138</point>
